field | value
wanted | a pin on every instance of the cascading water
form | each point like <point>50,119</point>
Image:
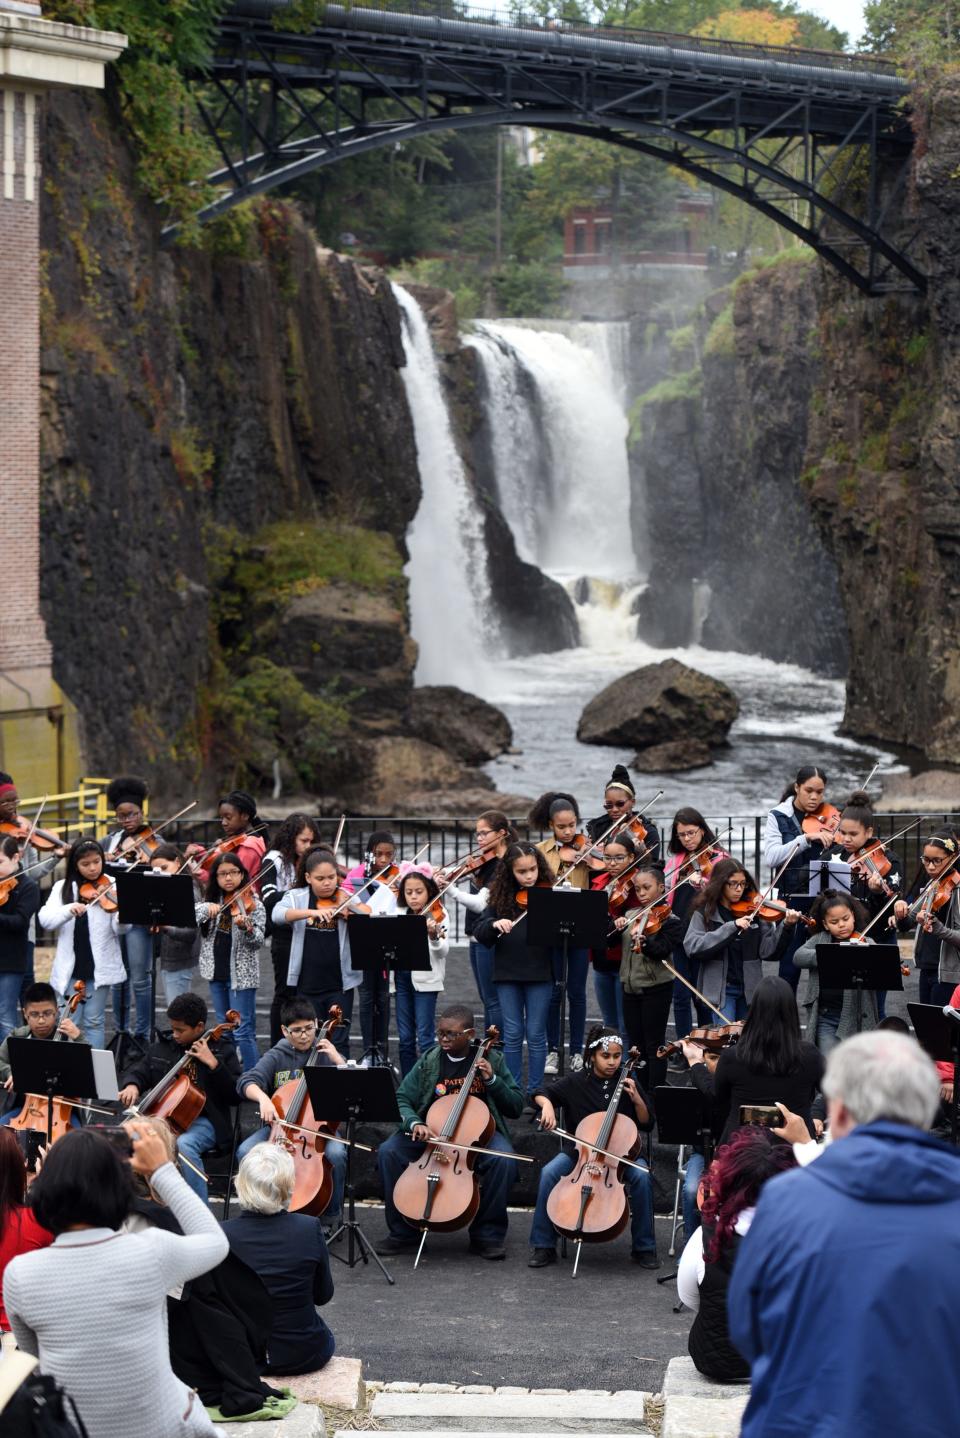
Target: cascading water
<point>451,615</point>
<point>558,436</point>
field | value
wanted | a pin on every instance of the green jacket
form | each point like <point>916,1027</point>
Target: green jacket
<point>418,1090</point>
<point>23,1032</point>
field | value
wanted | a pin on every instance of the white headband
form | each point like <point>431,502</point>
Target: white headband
<point>605,1042</point>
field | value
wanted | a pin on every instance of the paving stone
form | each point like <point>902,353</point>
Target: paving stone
<point>513,1390</point>
<point>374,1385</point>
<point>306,1421</point>
<point>589,1392</point>
<point>548,1392</point>
<point>476,1388</point>
<point>703,1417</point>
<point>509,1412</point>
<point>339,1384</point>
<point>684,1381</point>
<point>438,1388</point>
<point>401,1388</point>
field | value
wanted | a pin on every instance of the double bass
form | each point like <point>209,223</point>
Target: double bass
<point>590,1204</point>
<point>304,1136</point>
<point>177,1097</point>
<point>439,1190</point>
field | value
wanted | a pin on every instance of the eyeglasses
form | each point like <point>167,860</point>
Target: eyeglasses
<point>617,804</point>
<point>938,860</point>
<point>483,833</point>
<point>453,1033</point>
<point>301,1031</point>
<point>40,1014</point>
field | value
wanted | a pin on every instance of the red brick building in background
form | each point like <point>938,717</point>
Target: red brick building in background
<point>589,238</point>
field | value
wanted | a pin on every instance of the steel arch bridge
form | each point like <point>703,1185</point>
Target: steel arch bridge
<point>817,141</point>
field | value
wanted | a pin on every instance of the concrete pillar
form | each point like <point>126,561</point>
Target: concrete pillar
<point>38,731</point>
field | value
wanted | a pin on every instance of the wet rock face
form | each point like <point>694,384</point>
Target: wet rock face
<point>657,705</point>
<point>464,725</point>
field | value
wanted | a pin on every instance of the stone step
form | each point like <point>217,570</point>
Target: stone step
<point>306,1421</point>
<point>697,1407</point>
<point>579,1411</point>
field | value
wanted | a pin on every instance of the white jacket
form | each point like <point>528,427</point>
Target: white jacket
<point>105,931</point>
<point>423,981</point>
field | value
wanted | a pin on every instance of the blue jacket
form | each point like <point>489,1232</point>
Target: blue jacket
<point>845,1291</point>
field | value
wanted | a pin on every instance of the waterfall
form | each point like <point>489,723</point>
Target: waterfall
<point>450,609</point>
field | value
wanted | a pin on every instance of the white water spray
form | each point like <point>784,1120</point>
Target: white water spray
<point>450,610</point>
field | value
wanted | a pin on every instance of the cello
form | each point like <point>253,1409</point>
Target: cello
<point>177,1098</point>
<point>439,1190</point>
<point>304,1136</point>
<point>590,1204</point>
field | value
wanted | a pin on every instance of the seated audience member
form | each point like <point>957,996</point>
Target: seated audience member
<point>288,1252</point>
<point>215,1070</point>
<point>92,1306</point>
<point>731,1187</point>
<point>771,1062</point>
<point>19,1230</point>
<point>852,1263</point>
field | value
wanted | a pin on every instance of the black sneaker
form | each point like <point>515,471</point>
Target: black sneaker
<point>390,1245</point>
<point>646,1257</point>
<point>493,1251</point>
<point>542,1258</point>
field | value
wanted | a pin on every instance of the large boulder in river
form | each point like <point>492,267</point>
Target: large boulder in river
<point>657,704</point>
<point>464,725</point>
<point>672,757</point>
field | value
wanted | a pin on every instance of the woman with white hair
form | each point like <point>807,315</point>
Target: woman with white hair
<point>288,1252</point>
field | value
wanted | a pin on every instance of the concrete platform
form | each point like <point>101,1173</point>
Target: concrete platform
<point>338,1385</point>
<point>306,1421</point>
<point>683,1380</point>
<point>506,1412</point>
<point>697,1407</point>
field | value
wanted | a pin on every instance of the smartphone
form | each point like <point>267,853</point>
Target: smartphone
<point>767,1115</point>
<point>114,1134</point>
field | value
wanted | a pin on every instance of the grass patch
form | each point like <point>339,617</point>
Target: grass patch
<point>294,557</point>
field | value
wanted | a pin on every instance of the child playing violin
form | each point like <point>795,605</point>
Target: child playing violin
<point>127,796</point>
<point>297,835</point>
<point>215,1071</point>
<point>40,1021</point>
<point>178,949</point>
<point>417,991</point>
<point>580,1094</point>
<point>729,945</point>
<point>522,972</point>
<point>88,935</point>
<point>652,933</point>
<point>562,850</point>
<point>286,1061</point>
<point>938,919</point>
<point>19,902</point>
<point>375,883</point>
<point>320,966</point>
<point>231,932</point>
<point>12,826</point>
<point>874,875</point>
<point>835,1014</point>
<point>237,812</point>
<point>684,877</point>
<point>618,855</point>
<point>438,1072</point>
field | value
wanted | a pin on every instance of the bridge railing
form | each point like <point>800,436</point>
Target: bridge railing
<point>540,18</point>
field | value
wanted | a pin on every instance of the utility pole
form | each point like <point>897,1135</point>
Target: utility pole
<point>498,201</point>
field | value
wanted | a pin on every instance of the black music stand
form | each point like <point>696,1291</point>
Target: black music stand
<point>356,1096</point>
<point>682,1119</point>
<point>829,874</point>
<point>938,1033</point>
<point>52,1068</point>
<point>148,897</point>
<point>379,946</point>
<point>565,917</point>
<point>859,967</point>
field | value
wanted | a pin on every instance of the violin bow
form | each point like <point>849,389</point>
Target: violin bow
<point>562,1133</point>
<point>36,821</point>
<point>878,844</point>
<point>339,836</point>
<point>695,991</point>
<point>662,898</point>
<point>351,898</point>
<point>154,829</point>
<point>237,893</point>
<point>477,1148</point>
<point>613,830</point>
<point>456,867</point>
<point>879,915</point>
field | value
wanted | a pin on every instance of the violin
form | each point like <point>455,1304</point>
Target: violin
<point>772,911</point>
<point>438,914</point>
<point>241,906</point>
<point>137,847</point>
<point>7,887</point>
<point>177,1097</point>
<point>872,859</point>
<point>40,1114</point>
<point>303,1135</point>
<point>226,846</point>
<point>520,898</point>
<point>329,909</point>
<point>826,817</point>
<point>438,1190</point>
<point>101,891</point>
<point>590,1204</point>
<point>715,1038</point>
<point>449,874</point>
<point>697,866</point>
<point>43,840</point>
<point>941,894</point>
<point>635,826</point>
<point>650,922</point>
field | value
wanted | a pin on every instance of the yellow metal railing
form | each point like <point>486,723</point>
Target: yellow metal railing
<point>80,811</point>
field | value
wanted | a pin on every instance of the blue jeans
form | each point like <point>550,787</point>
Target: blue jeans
<point>827,1025</point>
<point>336,1154</point>
<point>176,982</point>
<point>788,969</point>
<point>10,985</point>
<point>683,1000</point>
<point>691,1213</point>
<point>137,946</point>
<point>245,1002</point>
<point>481,962</point>
<point>416,1021</point>
<point>193,1144</point>
<point>609,992</point>
<point>383,1012</point>
<point>28,976</point>
<point>496,1177</point>
<point>639,1188</point>
<point>734,1004</point>
<point>578,964</point>
<point>525,1008</point>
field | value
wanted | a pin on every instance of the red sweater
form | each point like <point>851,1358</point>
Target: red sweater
<point>943,1069</point>
<point>21,1234</point>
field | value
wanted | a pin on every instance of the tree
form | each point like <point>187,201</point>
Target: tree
<point>758,27</point>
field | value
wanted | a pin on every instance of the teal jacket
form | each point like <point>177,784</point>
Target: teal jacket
<point>418,1090</point>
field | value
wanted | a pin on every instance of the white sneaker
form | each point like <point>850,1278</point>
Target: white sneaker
<point>576,1063</point>
<point>552,1064</point>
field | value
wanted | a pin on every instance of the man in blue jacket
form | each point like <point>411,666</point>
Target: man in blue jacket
<point>845,1291</point>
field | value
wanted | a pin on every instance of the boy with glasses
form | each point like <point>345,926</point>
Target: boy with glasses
<point>285,1061</point>
<point>440,1071</point>
<point>40,1013</point>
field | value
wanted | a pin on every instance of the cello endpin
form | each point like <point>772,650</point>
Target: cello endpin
<point>420,1249</point>
<point>576,1259</point>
